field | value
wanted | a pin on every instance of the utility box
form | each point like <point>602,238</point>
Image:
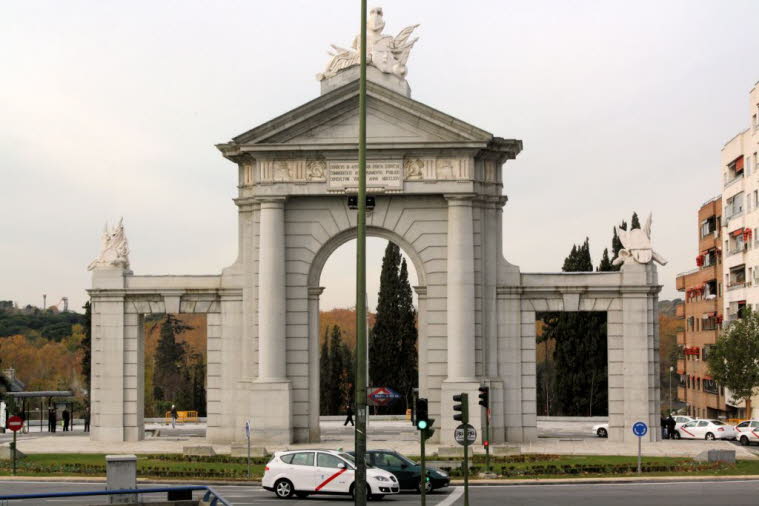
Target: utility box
<point>121,471</point>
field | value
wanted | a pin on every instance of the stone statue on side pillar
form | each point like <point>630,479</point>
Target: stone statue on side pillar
<point>637,246</point>
<point>387,53</point>
<point>114,249</point>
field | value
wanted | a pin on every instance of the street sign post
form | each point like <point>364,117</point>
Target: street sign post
<point>463,435</point>
<point>640,429</point>
<point>247,436</point>
<point>14,424</point>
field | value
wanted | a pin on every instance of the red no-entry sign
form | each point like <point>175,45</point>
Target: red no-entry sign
<point>15,423</point>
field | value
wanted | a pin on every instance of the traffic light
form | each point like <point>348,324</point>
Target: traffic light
<point>484,396</point>
<point>353,202</point>
<point>429,431</point>
<point>422,414</point>
<point>463,408</point>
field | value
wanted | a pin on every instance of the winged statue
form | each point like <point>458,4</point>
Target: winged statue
<point>114,248</point>
<point>387,53</point>
<point>637,246</point>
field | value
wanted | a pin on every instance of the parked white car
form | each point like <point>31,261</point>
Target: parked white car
<point>747,432</point>
<point>601,430</point>
<point>705,429</point>
<point>681,419</point>
<point>305,472</point>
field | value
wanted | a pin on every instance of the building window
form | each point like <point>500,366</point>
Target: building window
<point>734,204</point>
<point>735,169</point>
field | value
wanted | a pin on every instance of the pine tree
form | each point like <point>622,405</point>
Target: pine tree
<point>169,374</point>
<point>408,372</point>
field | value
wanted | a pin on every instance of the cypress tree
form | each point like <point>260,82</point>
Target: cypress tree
<point>336,371</point>
<point>580,350</point>
<point>394,335</point>
<point>605,264</point>
<point>635,222</point>
<point>324,375</point>
<point>87,347</point>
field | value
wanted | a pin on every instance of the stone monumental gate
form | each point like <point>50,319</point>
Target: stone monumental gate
<point>438,184</point>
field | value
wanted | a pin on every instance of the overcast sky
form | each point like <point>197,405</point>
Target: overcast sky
<point>111,109</point>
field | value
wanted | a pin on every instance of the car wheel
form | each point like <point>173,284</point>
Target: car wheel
<point>284,489</point>
<point>709,436</point>
<point>602,432</point>
<point>676,435</point>
<point>744,441</point>
<point>427,487</point>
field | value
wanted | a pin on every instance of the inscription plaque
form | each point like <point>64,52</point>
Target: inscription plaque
<point>386,174</point>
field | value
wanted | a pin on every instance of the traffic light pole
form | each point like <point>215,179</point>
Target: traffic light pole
<point>487,439</point>
<point>466,470</point>
<point>423,478</point>
<point>361,347</point>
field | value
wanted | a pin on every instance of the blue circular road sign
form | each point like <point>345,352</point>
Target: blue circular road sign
<point>640,429</point>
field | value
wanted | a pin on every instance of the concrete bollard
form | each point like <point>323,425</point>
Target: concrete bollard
<point>121,471</point>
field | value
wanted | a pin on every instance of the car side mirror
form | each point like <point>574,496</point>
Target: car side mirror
<point>341,466</point>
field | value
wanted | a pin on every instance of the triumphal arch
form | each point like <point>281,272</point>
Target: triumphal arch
<point>439,187</point>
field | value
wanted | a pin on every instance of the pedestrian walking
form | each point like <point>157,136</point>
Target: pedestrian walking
<point>671,426</point>
<point>66,417</point>
<point>87,418</point>
<point>348,415</point>
<point>173,416</point>
<point>663,423</point>
<point>53,418</point>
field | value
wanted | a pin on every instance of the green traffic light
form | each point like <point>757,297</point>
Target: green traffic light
<point>421,424</point>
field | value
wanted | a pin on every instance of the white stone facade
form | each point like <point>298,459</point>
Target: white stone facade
<point>438,186</point>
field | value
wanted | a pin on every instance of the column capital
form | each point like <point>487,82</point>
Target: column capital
<point>271,202</point>
<point>315,291</point>
<point>459,199</point>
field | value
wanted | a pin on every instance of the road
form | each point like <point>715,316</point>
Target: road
<point>702,493</point>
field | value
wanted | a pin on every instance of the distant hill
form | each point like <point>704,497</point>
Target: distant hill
<point>667,307</point>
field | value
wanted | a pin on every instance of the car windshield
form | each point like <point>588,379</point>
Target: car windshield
<point>350,459</point>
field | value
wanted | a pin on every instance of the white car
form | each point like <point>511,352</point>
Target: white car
<point>682,419</point>
<point>601,430</point>
<point>705,429</point>
<point>747,432</point>
<point>305,472</point>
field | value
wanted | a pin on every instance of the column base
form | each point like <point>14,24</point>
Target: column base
<point>448,425</point>
<point>271,412</point>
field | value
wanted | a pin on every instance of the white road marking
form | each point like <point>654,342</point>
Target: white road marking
<point>452,497</point>
<point>618,484</point>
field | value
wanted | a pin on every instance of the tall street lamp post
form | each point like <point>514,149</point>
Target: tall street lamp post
<point>671,369</point>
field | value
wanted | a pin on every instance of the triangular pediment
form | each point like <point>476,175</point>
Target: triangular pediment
<point>332,119</point>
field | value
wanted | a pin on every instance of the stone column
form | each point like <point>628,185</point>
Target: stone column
<point>314,432</point>
<point>460,317</point>
<point>272,305</point>
<point>460,290</point>
<point>421,293</point>
<point>271,393</point>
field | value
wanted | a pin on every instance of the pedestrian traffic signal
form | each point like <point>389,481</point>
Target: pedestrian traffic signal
<point>463,408</point>
<point>484,396</point>
<point>422,414</point>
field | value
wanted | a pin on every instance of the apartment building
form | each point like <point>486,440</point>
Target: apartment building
<point>703,312</point>
<point>740,233</point>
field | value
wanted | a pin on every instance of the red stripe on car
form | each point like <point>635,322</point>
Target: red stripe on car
<point>325,482</point>
<point>684,430</point>
<point>754,433</point>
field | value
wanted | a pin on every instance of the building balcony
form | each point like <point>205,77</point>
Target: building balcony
<point>736,286</point>
<point>734,180</point>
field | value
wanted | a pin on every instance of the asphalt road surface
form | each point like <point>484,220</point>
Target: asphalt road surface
<point>702,493</point>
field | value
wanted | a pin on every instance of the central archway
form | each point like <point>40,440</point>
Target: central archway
<point>315,290</point>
